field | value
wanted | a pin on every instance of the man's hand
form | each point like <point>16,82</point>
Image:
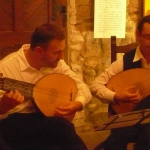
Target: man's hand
<point>129,94</point>
<point>68,110</point>
<point>10,100</point>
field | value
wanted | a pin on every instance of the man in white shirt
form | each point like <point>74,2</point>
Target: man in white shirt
<point>138,58</point>
<point>22,126</point>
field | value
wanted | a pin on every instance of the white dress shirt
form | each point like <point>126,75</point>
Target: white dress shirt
<point>15,66</point>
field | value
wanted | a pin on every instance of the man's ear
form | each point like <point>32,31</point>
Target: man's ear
<point>39,51</point>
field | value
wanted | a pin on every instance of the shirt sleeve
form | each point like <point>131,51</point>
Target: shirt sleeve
<point>83,94</point>
<point>99,86</point>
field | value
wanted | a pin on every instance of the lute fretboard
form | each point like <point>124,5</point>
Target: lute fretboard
<point>24,88</point>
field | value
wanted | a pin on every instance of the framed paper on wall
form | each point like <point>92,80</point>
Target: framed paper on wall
<point>146,7</point>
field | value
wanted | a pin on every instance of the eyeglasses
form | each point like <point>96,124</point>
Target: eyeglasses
<point>146,36</point>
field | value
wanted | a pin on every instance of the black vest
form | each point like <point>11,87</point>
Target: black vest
<point>128,61</point>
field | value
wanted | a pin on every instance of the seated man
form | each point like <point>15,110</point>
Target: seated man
<point>138,58</point>
<point>22,126</point>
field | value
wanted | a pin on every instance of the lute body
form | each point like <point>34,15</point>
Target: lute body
<point>139,77</point>
<point>50,91</point>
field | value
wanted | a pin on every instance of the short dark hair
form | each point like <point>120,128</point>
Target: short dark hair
<point>45,33</point>
<point>145,19</point>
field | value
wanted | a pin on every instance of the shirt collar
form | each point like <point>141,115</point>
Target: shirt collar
<point>22,59</point>
<point>24,65</point>
<point>138,54</point>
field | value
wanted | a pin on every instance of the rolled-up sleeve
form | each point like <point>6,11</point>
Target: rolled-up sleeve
<point>99,88</point>
<point>83,94</point>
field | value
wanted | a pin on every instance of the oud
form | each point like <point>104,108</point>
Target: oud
<point>47,93</point>
<point>139,77</point>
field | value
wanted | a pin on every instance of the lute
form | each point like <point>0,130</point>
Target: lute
<point>50,91</point>
<point>140,77</point>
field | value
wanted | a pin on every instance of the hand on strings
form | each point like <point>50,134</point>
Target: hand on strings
<point>10,100</point>
<point>129,94</point>
<point>68,110</point>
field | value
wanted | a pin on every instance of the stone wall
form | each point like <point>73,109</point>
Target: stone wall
<point>89,56</point>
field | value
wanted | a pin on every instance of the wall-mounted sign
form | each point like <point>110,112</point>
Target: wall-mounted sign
<point>146,7</point>
<point>109,18</point>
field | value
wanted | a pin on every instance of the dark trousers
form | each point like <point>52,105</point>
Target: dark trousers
<point>37,132</point>
<point>140,134</point>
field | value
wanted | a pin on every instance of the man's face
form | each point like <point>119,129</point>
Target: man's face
<point>144,39</point>
<point>53,53</point>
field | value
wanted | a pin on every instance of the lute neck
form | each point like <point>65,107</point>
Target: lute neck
<point>26,89</point>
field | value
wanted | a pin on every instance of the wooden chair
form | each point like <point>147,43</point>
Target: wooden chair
<point>120,49</point>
